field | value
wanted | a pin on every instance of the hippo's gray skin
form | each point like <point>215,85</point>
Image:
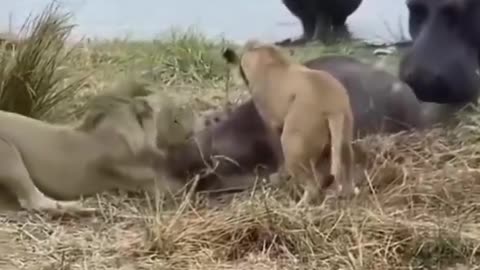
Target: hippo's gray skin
<point>380,101</point>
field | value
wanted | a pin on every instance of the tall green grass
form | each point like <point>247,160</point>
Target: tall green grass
<point>32,82</point>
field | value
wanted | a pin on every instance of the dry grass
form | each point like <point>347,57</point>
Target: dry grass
<point>418,208</point>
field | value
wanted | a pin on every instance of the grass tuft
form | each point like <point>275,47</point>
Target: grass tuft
<point>178,58</point>
<point>417,210</point>
<point>32,82</point>
<point>191,56</point>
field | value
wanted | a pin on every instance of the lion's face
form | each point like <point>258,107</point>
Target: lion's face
<point>174,122</point>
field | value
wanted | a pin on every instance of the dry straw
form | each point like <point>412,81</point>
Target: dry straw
<point>418,208</point>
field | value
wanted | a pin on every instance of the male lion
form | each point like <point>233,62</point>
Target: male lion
<point>111,148</point>
<point>308,109</point>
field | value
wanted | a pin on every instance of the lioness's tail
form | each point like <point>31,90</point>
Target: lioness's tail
<point>341,155</point>
<point>348,156</point>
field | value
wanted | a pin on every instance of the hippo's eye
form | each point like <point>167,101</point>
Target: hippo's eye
<point>451,14</point>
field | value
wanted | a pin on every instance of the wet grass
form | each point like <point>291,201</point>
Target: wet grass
<point>418,208</point>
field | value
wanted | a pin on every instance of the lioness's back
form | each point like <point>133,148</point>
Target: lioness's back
<point>320,86</point>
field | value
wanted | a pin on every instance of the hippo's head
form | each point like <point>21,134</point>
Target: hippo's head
<point>442,64</point>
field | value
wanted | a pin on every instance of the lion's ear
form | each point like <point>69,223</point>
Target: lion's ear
<point>91,120</point>
<point>252,44</point>
<point>230,56</point>
<point>142,108</point>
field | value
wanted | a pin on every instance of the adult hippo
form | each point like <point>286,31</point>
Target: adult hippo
<point>442,64</point>
<point>318,17</point>
<point>381,104</point>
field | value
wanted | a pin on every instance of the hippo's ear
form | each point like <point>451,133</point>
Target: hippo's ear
<point>230,56</point>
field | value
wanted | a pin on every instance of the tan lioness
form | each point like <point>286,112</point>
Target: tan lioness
<point>111,148</point>
<point>308,109</point>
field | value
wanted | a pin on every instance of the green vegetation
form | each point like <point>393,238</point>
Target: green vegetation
<point>32,83</point>
<point>418,208</point>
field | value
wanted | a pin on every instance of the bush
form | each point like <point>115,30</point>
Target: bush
<point>31,82</point>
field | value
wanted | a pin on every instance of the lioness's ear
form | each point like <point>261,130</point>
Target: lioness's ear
<point>230,56</point>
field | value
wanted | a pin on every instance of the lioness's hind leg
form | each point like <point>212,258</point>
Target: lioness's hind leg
<point>349,161</point>
<point>298,164</point>
<point>15,177</point>
<point>312,186</point>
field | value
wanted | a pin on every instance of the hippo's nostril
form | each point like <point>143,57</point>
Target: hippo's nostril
<point>426,85</point>
<point>432,88</point>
